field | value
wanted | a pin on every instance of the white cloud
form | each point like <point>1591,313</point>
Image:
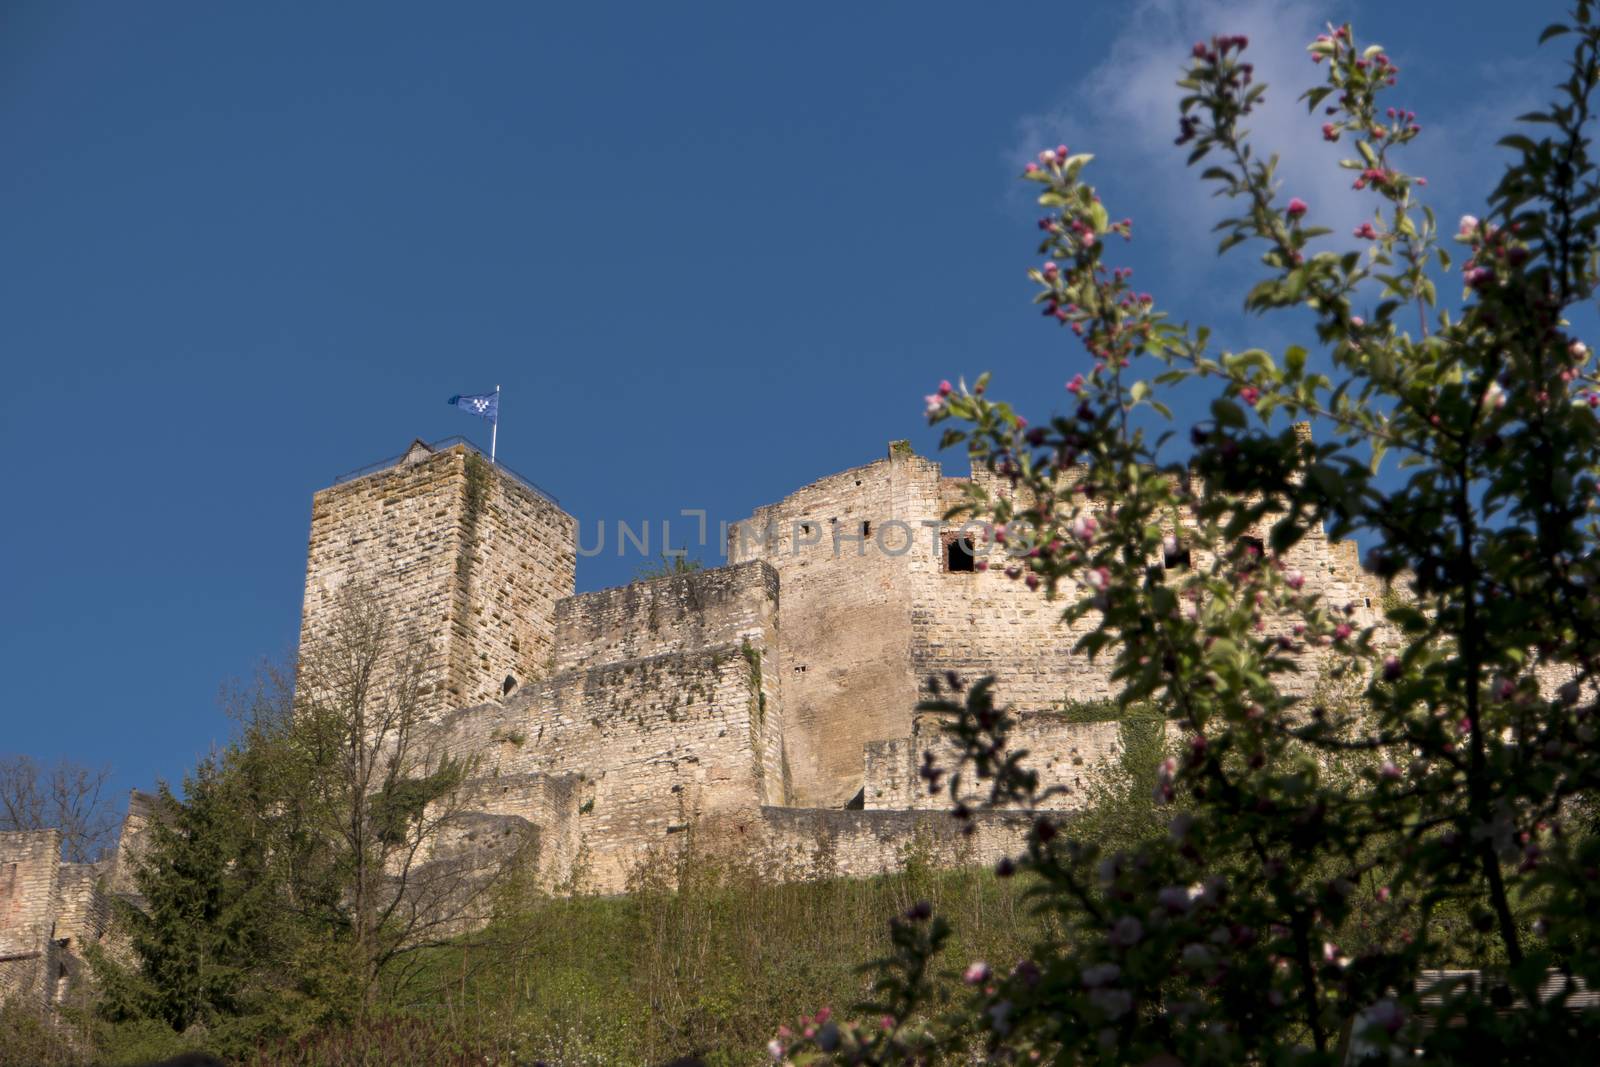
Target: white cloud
<point>1126,111</point>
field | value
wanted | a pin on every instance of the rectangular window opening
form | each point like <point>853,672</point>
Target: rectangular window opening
<point>958,556</point>
<point>1177,559</point>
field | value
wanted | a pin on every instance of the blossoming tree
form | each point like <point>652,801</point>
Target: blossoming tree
<point>1323,861</point>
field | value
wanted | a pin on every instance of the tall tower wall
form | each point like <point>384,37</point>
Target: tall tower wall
<point>463,553</point>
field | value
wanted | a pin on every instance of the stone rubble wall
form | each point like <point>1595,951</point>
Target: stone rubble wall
<point>1072,760</point>
<point>661,741</point>
<point>30,903</point>
<point>550,803</point>
<point>803,843</point>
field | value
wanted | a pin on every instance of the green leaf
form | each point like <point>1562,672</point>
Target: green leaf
<point>1227,413</point>
<point>1555,29</point>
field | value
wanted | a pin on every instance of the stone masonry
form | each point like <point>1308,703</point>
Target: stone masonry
<point>768,702</point>
<point>766,705</point>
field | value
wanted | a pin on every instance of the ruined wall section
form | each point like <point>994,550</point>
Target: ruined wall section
<point>981,622</point>
<point>673,614</point>
<point>661,740</point>
<point>132,843</point>
<point>866,622</point>
<point>803,843</point>
<point>30,874</point>
<point>456,549</point>
<point>550,802</point>
<point>839,547</point>
<point>1073,757</point>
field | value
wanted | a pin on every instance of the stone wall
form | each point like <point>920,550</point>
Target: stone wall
<point>846,631</point>
<point>30,873</point>
<point>459,550</point>
<point>1070,758</point>
<point>548,802</point>
<point>801,843</point>
<point>686,733</point>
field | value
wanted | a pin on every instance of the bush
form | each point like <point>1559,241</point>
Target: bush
<point>1432,802</point>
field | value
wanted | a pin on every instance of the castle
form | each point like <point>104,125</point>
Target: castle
<point>767,703</point>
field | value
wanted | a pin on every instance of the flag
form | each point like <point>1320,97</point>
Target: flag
<point>484,405</point>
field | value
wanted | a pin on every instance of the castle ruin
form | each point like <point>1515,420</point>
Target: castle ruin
<point>767,704</point>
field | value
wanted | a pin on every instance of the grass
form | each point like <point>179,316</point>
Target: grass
<point>710,969</point>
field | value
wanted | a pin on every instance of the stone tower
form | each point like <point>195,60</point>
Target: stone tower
<point>466,553</point>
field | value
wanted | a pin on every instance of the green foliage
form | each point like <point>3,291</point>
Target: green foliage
<point>703,958</point>
<point>296,869</point>
<point>670,564</point>
<point>1426,802</point>
<point>200,924</point>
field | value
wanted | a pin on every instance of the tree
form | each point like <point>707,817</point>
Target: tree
<point>373,805</point>
<point>67,797</point>
<point>199,930</point>
<point>308,857</point>
<point>1325,861</point>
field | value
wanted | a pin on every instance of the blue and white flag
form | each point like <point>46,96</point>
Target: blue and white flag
<point>484,405</point>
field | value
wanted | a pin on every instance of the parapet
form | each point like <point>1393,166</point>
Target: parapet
<point>697,610</point>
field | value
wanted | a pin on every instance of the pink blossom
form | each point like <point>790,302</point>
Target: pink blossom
<point>1076,385</point>
<point>1250,394</point>
<point>1342,631</point>
<point>1083,527</point>
<point>1098,579</point>
<point>1389,771</point>
<point>935,403</point>
<point>1050,269</point>
<point>976,974</point>
<point>1577,350</point>
<point>944,387</point>
<point>1329,132</point>
<point>1294,580</point>
<point>1297,207</point>
<point>1366,232</point>
<point>1469,225</point>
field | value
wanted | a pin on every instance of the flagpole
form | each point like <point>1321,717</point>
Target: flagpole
<point>494,430</point>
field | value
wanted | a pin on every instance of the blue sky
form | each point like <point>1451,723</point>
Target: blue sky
<point>710,251</point>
